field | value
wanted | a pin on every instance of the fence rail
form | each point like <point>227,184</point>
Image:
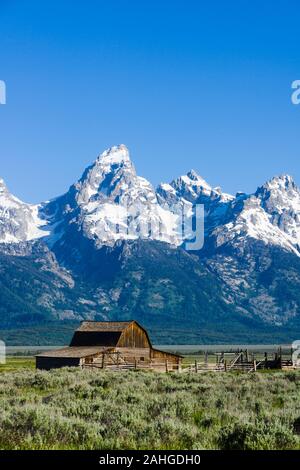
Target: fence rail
<point>164,366</point>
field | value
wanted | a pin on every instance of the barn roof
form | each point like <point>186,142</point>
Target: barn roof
<point>114,326</point>
<point>74,351</point>
<point>102,333</point>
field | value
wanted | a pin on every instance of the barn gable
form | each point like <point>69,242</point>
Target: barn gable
<point>127,334</point>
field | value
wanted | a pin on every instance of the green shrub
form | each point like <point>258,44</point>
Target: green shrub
<point>260,435</point>
<point>80,409</point>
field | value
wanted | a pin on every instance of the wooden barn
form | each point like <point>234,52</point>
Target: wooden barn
<point>110,345</point>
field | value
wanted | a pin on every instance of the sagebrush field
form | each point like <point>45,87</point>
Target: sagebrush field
<point>80,409</point>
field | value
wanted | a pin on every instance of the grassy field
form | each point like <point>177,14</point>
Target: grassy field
<point>81,409</point>
<point>17,363</point>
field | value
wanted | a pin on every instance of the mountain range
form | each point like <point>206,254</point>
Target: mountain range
<point>114,247</point>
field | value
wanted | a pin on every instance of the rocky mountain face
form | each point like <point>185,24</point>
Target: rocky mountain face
<point>113,247</point>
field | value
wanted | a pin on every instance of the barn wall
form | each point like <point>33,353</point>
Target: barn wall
<point>48,363</point>
<point>161,355</point>
<point>135,353</point>
<point>133,337</point>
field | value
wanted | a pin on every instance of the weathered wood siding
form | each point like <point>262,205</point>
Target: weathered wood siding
<point>133,337</point>
<point>162,356</point>
<point>129,354</point>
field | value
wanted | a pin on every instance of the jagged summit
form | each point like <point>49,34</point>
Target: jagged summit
<point>114,155</point>
<point>193,178</point>
<point>110,170</point>
<point>282,183</point>
<point>280,192</point>
<point>190,186</point>
<point>110,194</point>
<point>111,202</point>
<point>282,180</point>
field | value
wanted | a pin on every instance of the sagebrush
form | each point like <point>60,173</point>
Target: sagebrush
<point>80,409</point>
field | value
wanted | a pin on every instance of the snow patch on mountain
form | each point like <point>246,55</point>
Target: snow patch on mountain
<point>252,221</point>
<point>280,198</point>
<point>19,222</point>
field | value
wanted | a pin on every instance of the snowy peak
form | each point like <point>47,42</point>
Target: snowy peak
<point>279,195</point>
<point>191,186</point>
<point>280,198</point>
<point>249,219</point>
<point>110,202</point>
<point>282,188</point>
<point>192,178</point>
<point>116,155</point>
<point>281,183</point>
<point>271,215</point>
<point>104,177</point>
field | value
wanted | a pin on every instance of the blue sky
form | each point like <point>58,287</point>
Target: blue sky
<point>184,84</point>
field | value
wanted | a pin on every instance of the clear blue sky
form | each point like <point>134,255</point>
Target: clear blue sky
<point>184,84</point>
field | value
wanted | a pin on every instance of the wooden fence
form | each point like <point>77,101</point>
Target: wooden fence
<point>225,362</point>
<point>165,366</point>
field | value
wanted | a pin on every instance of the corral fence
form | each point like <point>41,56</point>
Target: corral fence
<point>223,362</point>
<point>164,366</point>
<point>244,361</point>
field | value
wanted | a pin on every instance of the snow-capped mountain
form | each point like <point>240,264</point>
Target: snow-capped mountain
<point>193,189</point>
<point>280,198</point>
<point>271,215</point>
<point>110,202</point>
<point>113,246</point>
<point>19,222</point>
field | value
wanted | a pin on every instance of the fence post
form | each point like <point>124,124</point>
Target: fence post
<point>135,362</point>
<point>225,366</point>
<point>196,367</point>
<point>167,370</point>
<point>254,365</point>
